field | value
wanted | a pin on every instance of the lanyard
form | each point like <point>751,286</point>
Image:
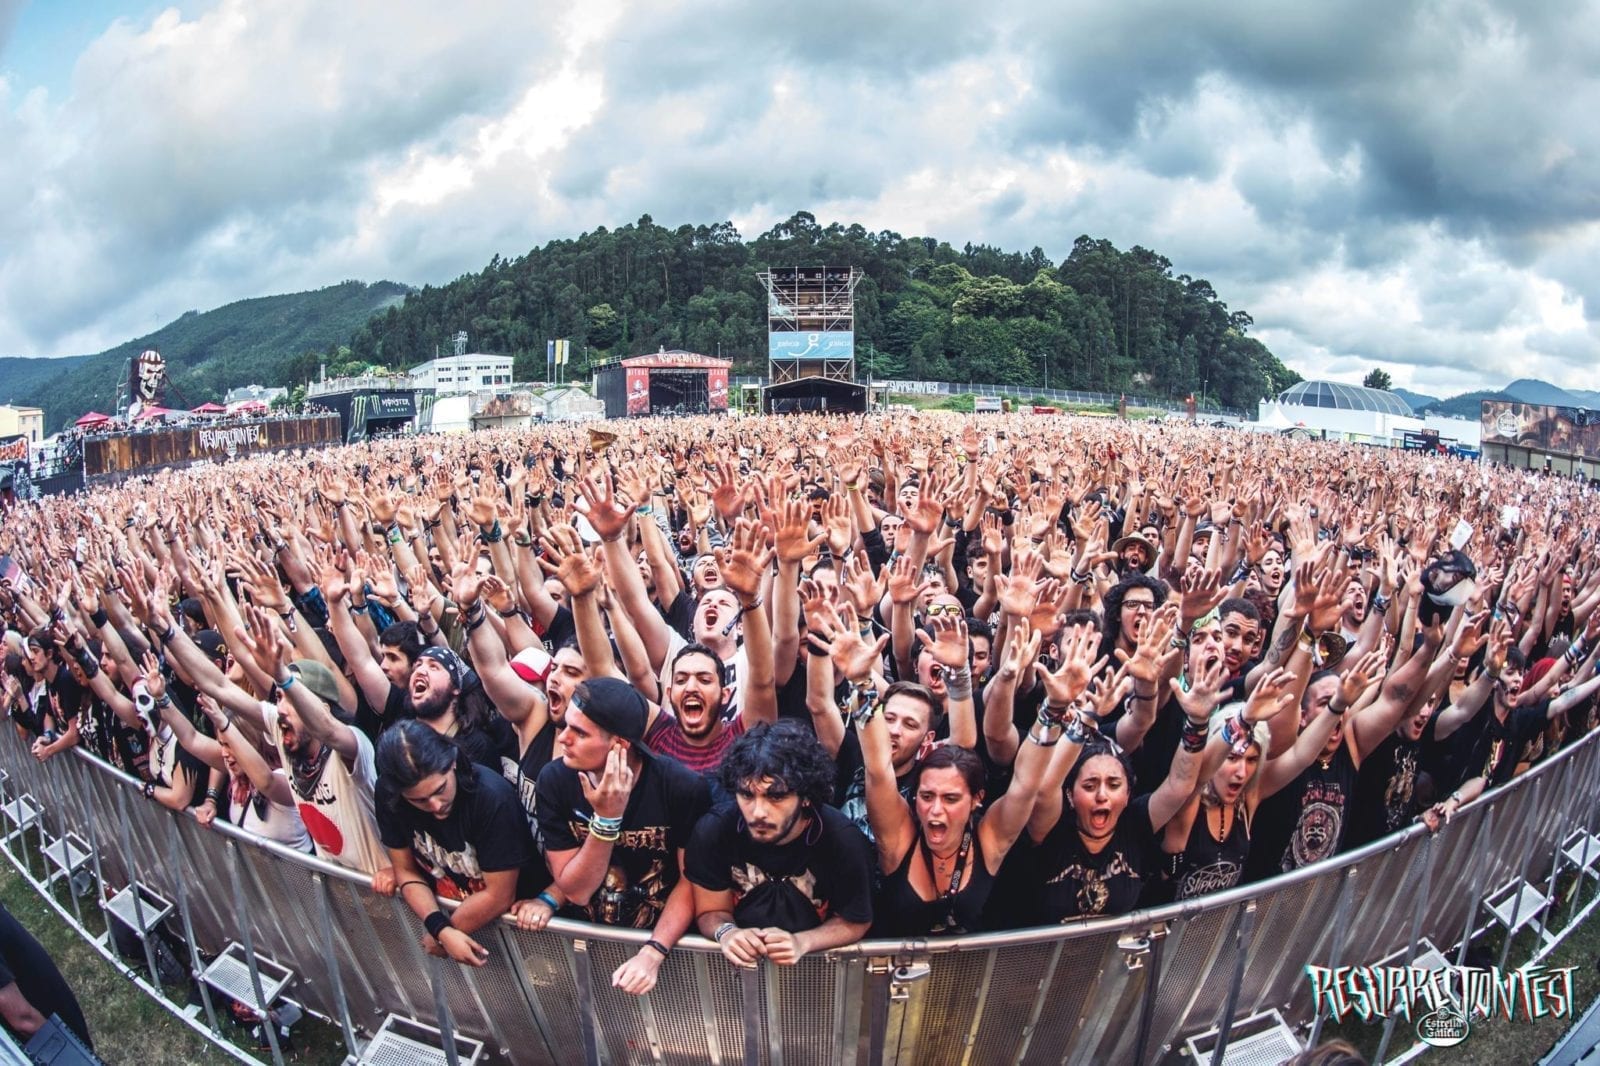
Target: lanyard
<point>960,867</point>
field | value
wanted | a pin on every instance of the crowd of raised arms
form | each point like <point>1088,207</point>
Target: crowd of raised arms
<point>789,682</point>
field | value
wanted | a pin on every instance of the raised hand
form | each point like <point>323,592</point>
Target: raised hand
<point>1354,680</point>
<point>946,639</point>
<point>745,561</point>
<point>605,513</point>
<point>1070,680</point>
<point>866,589</point>
<point>905,583</point>
<point>1021,651</point>
<point>575,568</point>
<point>791,535</point>
<point>1203,692</point>
<point>1274,694</point>
<point>853,657</point>
<point>608,797</point>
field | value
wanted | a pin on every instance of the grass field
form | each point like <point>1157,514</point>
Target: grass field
<point>128,1027</point>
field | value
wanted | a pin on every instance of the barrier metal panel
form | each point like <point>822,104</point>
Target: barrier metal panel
<point>1078,993</point>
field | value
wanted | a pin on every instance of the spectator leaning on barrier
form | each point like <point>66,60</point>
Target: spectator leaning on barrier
<point>454,829</point>
<point>781,874</point>
<point>615,820</point>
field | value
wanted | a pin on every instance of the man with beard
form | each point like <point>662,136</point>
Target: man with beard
<point>330,764</point>
<point>782,874</point>
<point>615,820</point>
<point>723,623</point>
<point>703,721</point>
<point>435,685</point>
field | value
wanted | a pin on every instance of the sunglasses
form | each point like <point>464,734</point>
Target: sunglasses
<point>938,610</point>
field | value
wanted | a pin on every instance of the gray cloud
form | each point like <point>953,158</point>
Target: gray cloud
<point>1413,187</point>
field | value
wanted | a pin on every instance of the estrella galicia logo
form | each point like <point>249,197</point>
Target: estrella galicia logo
<point>1445,1027</point>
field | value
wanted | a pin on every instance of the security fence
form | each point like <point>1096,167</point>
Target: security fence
<point>1026,392</point>
<point>1125,990</point>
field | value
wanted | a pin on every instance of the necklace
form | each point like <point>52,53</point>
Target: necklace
<point>1224,823</point>
<point>959,858</point>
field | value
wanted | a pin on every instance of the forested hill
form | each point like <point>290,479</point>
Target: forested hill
<point>1102,319</point>
<point>207,353</point>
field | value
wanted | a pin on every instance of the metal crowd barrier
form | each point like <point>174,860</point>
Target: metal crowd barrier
<point>1125,990</point>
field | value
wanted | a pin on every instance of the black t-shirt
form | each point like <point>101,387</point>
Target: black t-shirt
<point>1078,883</point>
<point>1305,822</point>
<point>485,831</point>
<point>680,614</point>
<point>108,738</point>
<point>850,782</point>
<point>823,873</point>
<point>667,801</point>
<point>522,769</point>
<point>25,962</point>
<point>1393,787</point>
<point>1502,743</point>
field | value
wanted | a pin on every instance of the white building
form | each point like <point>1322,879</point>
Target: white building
<point>452,375</point>
<point>253,393</point>
<point>1356,414</point>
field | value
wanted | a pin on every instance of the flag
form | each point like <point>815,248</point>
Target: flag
<point>561,352</point>
<point>549,355</point>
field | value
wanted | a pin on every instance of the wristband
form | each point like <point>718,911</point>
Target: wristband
<point>99,618</point>
<point>401,887</point>
<point>87,663</point>
<point>358,608</point>
<point>163,702</point>
<point>436,923</point>
<point>1041,741</point>
<point>644,509</point>
<point>515,612</point>
<point>395,536</point>
<point>283,685</point>
<point>1194,736</point>
<point>723,930</point>
<point>958,683</point>
<point>657,946</point>
<point>522,540</point>
<point>492,535</point>
<point>1234,730</point>
<point>171,632</point>
<point>1380,603</point>
<point>549,900</point>
<point>1077,732</point>
<point>149,790</point>
<point>214,794</point>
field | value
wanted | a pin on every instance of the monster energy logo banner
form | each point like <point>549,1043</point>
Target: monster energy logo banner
<point>369,405</point>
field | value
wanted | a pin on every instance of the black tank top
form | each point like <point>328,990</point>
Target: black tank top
<point>1206,865</point>
<point>903,913</point>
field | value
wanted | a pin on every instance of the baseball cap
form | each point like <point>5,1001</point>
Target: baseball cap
<point>532,665</point>
<point>614,706</point>
<point>317,679</point>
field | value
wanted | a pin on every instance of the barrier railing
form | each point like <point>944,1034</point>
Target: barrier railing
<point>1124,990</point>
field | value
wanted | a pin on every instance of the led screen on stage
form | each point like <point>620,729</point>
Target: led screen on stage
<point>832,345</point>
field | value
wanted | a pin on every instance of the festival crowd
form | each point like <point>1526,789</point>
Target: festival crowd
<point>789,682</point>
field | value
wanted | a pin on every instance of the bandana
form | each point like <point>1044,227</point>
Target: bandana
<point>1213,615</point>
<point>450,661</point>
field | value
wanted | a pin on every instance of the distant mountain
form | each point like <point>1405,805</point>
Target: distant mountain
<point>1415,400</point>
<point>1532,390</point>
<point>1523,390</point>
<point>207,353</point>
<point>21,377</point>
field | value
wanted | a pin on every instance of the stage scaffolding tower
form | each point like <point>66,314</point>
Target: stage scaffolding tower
<point>811,322</point>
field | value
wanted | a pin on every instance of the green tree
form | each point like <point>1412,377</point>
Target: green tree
<point>605,326</point>
<point>1378,378</point>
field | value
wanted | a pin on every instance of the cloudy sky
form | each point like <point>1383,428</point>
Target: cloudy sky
<point>1412,186</point>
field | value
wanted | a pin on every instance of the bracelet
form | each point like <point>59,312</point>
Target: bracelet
<point>395,536</point>
<point>1194,736</point>
<point>866,704</point>
<point>227,724</point>
<point>214,794</point>
<point>1052,742</point>
<point>723,930</point>
<point>1078,733</point>
<point>522,540</point>
<point>752,605</point>
<point>401,887</point>
<point>283,686</point>
<point>436,923</point>
<point>1234,730</point>
<point>1333,706</point>
<point>655,945</point>
<point>358,608</point>
<point>163,702</point>
<point>171,632</point>
<point>549,900</point>
<point>99,617</point>
<point>605,830</point>
<point>1380,603</point>
<point>644,509</point>
<point>149,790</point>
<point>493,534</point>
<point>515,612</point>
